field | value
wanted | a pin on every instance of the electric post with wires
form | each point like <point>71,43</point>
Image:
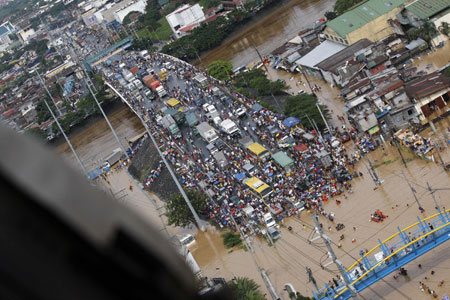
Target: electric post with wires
<point>334,259</point>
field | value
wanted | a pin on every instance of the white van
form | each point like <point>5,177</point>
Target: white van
<point>187,240</point>
<point>268,219</point>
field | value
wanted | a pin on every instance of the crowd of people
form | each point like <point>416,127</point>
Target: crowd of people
<point>311,181</point>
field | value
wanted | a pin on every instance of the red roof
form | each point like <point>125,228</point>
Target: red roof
<point>206,12</point>
<point>45,124</point>
<point>301,147</point>
<point>10,112</point>
<point>188,28</point>
<point>390,88</point>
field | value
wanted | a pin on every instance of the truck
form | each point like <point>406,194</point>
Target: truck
<point>113,158</point>
<point>127,75</point>
<point>230,127</point>
<point>169,123</point>
<point>191,119</point>
<point>177,115</point>
<point>161,91</point>
<point>207,132</point>
<point>162,74</point>
<point>144,54</point>
<point>147,80</point>
<point>138,84</point>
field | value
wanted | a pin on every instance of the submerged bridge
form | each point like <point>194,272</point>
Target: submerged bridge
<point>391,254</point>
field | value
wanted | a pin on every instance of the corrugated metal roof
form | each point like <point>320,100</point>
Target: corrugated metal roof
<point>319,54</point>
<point>362,14</point>
<point>427,8</point>
<point>282,159</point>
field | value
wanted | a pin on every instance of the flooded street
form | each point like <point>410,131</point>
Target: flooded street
<point>287,261</point>
<point>97,141</point>
<point>270,32</point>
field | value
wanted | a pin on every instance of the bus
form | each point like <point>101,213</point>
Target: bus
<point>259,151</point>
<point>259,187</point>
<point>175,104</point>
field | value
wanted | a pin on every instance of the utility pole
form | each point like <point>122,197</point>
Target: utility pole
<point>413,192</point>
<point>323,118</point>
<point>432,191</point>
<point>66,138</point>
<point>333,256</point>
<point>312,279</point>
<point>267,70</point>
<point>439,155</point>
<point>48,92</point>
<point>375,175</point>
<point>169,168</point>
<point>398,148</point>
<point>107,120</point>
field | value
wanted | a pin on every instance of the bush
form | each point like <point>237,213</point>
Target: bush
<point>231,239</point>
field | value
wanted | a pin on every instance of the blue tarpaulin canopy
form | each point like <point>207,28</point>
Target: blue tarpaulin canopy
<point>291,122</point>
<point>257,107</point>
<point>239,176</point>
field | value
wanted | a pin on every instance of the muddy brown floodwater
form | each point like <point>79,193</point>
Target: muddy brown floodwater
<point>270,32</point>
<point>96,142</point>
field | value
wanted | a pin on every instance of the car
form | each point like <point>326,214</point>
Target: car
<point>217,120</point>
<point>335,142</point>
<point>273,130</point>
<point>219,144</point>
<point>274,234</point>
<point>211,148</point>
<point>286,142</point>
<point>300,92</point>
<point>240,112</point>
<point>268,219</point>
<point>187,240</point>
<point>345,137</point>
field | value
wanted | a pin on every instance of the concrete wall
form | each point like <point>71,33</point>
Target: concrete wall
<point>438,22</point>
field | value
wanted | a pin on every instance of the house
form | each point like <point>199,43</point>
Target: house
<point>26,34</point>
<point>308,62</point>
<point>5,30</point>
<point>420,11</point>
<point>372,20</point>
<point>233,4</point>
<point>335,67</point>
<point>430,95</point>
<point>185,17</point>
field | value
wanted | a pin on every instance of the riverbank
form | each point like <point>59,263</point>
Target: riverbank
<point>268,31</point>
<point>109,108</point>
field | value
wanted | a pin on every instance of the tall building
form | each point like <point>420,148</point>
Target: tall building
<point>184,16</point>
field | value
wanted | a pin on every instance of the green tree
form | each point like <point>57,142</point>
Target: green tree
<point>330,15</point>
<point>43,114</point>
<point>244,288</point>
<point>341,6</point>
<point>178,212</point>
<point>444,28</point>
<point>426,32</point>
<point>446,72</point>
<point>37,133</point>
<point>221,70</point>
<point>298,106</point>
<point>231,239</point>
<point>130,17</point>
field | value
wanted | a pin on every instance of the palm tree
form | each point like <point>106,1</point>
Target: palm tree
<point>445,29</point>
<point>245,289</point>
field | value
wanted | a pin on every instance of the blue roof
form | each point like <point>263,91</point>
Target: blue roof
<point>291,121</point>
<point>257,107</point>
<point>3,30</point>
<point>239,176</point>
<point>385,112</point>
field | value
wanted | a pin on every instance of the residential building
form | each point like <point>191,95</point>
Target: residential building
<point>5,30</point>
<point>233,4</point>
<point>115,13</point>
<point>26,34</point>
<point>372,20</point>
<point>89,17</point>
<point>185,16</point>
<point>420,11</point>
<point>336,68</point>
<point>430,95</point>
<point>308,62</point>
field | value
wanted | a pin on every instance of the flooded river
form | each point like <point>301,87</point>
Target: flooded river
<point>270,32</point>
<point>97,141</point>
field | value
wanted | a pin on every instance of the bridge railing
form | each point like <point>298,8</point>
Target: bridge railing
<point>392,254</point>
